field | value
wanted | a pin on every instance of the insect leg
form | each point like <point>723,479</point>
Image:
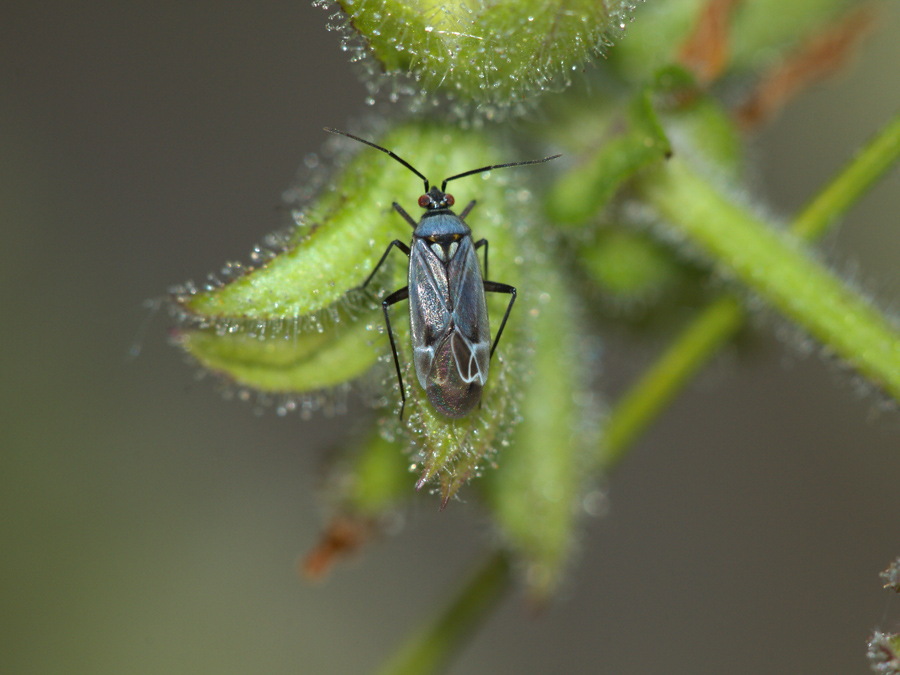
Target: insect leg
<point>479,244</point>
<point>399,244</point>
<point>406,216</point>
<point>495,287</point>
<point>471,205</point>
<point>393,299</point>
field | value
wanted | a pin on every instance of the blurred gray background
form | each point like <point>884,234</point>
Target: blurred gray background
<point>148,526</point>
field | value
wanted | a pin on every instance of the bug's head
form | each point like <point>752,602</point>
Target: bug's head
<point>436,199</point>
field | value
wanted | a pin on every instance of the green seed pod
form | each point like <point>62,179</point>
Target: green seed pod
<point>487,55</point>
<point>534,494</point>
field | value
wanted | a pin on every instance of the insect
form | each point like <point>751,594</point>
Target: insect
<point>447,309</point>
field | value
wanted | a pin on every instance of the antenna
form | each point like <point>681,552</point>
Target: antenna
<point>386,151</point>
<point>494,166</point>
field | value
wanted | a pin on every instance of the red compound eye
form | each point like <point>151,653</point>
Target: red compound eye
<point>449,199</point>
<point>424,201</point>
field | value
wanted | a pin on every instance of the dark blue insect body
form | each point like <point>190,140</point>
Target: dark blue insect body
<point>448,313</point>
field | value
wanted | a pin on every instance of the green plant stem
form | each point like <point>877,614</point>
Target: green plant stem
<point>771,264</point>
<point>706,334</point>
<point>429,650</point>
<point>870,164</point>
<point>658,385</point>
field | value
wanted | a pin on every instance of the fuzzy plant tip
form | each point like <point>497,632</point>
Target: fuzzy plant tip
<point>883,653</point>
<point>891,576</point>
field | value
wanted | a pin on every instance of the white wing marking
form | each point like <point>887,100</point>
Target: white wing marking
<point>467,359</point>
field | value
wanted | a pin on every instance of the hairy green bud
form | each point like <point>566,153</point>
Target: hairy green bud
<point>486,55</point>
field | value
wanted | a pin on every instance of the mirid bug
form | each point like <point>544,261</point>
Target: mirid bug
<point>447,309</point>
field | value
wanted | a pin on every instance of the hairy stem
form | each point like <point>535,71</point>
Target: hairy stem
<point>705,335</point>
<point>771,264</point>
<point>870,164</point>
<point>666,377</point>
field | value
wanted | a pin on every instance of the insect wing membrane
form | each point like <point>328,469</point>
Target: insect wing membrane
<point>472,338</point>
<point>429,308</point>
